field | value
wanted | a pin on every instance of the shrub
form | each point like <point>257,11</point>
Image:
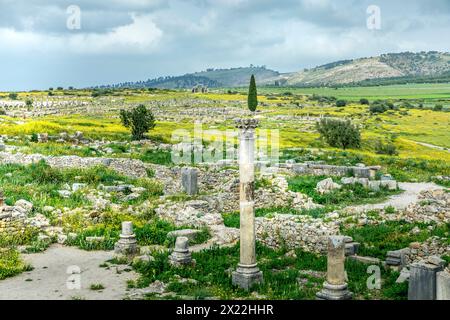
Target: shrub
<point>438,107</point>
<point>378,107</point>
<point>140,120</point>
<point>34,137</point>
<point>388,148</point>
<point>339,133</point>
<point>341,103</point>
<point>13,96</point>
<point>364,101</point>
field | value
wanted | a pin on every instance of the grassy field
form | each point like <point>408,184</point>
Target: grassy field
<point>408,91</point>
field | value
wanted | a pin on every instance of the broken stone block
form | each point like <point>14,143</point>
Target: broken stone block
<point>351,247</point>
<point>404,276</point>
<point>374,185</point>
<point>397,257</point>
<point>361,172</point>
<point>43,137</point>
<point>443,285</point>
<point>326,186</point>
<point>366,260</point>
<point>181,254</point>
<point>24,204</point>
<point>189,177</point>
<point>422,282</point>
<point>64,193</point>
<point>389,184</point>
<point>78,186</point>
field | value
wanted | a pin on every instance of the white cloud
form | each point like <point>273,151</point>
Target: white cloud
<point>141,36</point>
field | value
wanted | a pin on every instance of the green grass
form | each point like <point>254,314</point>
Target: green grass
<point>377,240</point>
<point>97,287</point>
<point>39,183</point>
<point>409,91</point>
<point>281,274</point>
<point>156,156</point>
<point>347,195</point>
<point>11,264</point>
<point>153,232</point>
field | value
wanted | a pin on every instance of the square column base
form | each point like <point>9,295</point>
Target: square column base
<point>247,277</point>
<point>126,248</point>
<point>334,292</point>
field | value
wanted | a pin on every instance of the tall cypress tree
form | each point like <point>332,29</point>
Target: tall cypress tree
<point>252,95</point>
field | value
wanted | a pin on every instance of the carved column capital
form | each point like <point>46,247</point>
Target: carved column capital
<point>246,123</point>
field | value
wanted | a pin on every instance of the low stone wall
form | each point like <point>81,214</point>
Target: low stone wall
<point>11,226</point>
<point>128,167</point>
<point>330,170</point>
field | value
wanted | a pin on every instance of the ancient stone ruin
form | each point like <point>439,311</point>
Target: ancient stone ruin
<point>247,273</point>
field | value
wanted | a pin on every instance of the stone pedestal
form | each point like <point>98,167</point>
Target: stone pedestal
<point>189,180</point>
<point>443,285</point>
<point>127,245</point>
<point>422,281</point>
<point>247,273</point>
<point>181,255</point>
<point>335,287</point>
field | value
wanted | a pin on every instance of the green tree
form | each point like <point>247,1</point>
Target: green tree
<point>252,95</point>
<point>339,133</point>
<point>13,96</point>
<point>140,120</point>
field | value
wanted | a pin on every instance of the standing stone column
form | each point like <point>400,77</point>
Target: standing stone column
<point>247,273</point>
<point>335,287</point>
<point>127,245</point>
<point>181,255</point>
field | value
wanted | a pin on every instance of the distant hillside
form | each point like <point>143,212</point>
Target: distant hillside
<point>212,78</point>
<point>388,68</point>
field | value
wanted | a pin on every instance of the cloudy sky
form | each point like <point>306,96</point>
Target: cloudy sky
<point>43,43</point>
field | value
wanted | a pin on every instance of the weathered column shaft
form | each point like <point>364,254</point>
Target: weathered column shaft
<point>336,261</point>
<point>247,187</point>
<point>335,287</point>
<point>247,273</point>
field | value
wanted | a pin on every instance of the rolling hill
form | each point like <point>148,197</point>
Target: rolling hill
<point>388,68</point>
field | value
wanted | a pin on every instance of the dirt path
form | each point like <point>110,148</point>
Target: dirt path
<point>52,271</point>
<point>431,146</point>
<point>400,201</point>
